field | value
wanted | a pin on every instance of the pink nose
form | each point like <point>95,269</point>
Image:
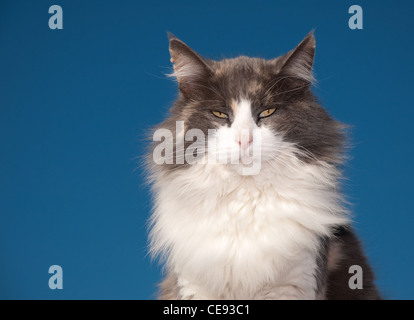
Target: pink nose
<point>244,140</point>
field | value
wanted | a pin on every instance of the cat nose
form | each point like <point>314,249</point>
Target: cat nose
<point>244,139</point>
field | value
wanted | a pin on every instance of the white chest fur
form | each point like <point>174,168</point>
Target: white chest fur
<point>244,237</point>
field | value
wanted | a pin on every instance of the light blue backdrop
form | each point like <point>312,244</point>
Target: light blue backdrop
<point>75,106</point>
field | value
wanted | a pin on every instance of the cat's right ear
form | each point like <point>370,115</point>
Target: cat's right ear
<point>190,69</point>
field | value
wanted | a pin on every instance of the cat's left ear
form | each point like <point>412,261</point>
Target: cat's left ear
<point>299,61</point>
<point>190,69</point>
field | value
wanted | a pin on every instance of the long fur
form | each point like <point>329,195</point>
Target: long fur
<point>234,236</point>
<point>282,233</point>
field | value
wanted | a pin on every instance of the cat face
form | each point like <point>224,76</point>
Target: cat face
<point>251,111</point>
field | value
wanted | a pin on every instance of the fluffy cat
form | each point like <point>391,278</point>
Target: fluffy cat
<point>264,223</point>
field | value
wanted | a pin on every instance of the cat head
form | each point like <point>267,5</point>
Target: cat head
<point>247,112</point>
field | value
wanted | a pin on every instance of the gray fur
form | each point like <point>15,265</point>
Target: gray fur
<point>283,83</point>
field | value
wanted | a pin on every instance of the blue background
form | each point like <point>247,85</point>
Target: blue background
<point>76,105</point>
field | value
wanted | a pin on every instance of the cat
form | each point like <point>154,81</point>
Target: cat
<point>226,231</point>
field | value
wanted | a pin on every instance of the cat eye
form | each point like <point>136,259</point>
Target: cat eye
<point>219,114</point>
<point>267,113</point>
